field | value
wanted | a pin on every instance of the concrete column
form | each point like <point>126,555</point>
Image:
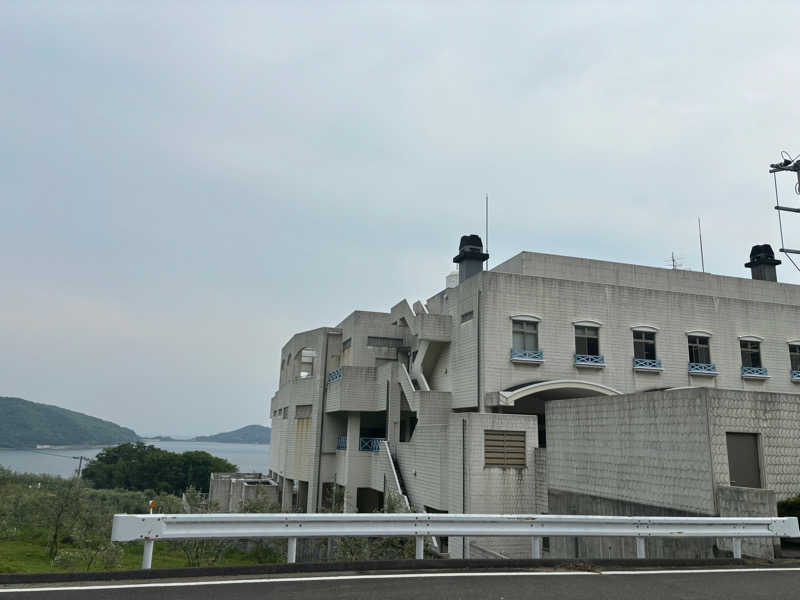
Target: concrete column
<point>287,486</point>
<point>393,410</point>
<point>353,435</point>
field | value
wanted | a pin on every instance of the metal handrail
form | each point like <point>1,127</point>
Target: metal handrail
<point>533,356</point>
<point>590,360</point>
<point>647,364</point>
<point>370,444</point>
<point>341,442</point>
<point>755,372</point>
<point>696,368</point>
<point>149,528</point>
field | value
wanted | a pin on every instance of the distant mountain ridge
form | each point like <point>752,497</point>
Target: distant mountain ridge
<point>26,424</point>
<point>249,434</point>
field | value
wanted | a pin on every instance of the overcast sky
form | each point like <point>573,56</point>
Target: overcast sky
<point>185,185</point>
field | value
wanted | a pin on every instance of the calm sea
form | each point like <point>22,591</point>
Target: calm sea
<point>249,458</point>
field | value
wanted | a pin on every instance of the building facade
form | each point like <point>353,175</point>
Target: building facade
<point>445,402</point>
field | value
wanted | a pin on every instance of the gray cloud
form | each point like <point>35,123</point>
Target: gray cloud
<point>182,187</point>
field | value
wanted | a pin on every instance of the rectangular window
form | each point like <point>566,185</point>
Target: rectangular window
<point>524,335</point>
<point>699,350</point>
<point>751,353</point>
<point>794,356</point>
<point>284,412</point>
<point>346,344</point>
<point>504,448</point>
<point>384,342</point>
<point>302,411</point>
<point>644,345</point>
<point>306,363</point>
<point>587,340</point>
<point>467,316</point>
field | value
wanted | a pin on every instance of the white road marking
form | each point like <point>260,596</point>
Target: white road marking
<point>119,586</point>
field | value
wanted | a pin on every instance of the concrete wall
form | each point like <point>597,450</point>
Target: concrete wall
<point>748,502</point>
<point>564,503</point>
<point>491,490</point>
<point>646,448</point>
<point>559,302</point>
<point>229,491</point>
<point>776,418</point>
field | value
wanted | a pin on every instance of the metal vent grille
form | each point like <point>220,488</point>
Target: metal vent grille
<point>504,448</point>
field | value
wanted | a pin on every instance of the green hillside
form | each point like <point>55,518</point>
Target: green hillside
<point>25,424</point>
<point>249,434</point>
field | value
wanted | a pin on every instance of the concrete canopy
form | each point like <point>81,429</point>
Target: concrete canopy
<point>557,389</point>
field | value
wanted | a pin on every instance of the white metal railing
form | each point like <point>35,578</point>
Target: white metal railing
<point>149,528</point>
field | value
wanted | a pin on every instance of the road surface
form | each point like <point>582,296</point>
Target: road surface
<point>716,584</point>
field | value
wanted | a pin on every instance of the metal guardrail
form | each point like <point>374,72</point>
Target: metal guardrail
<point>149,528</point>
<point>341,442</point>
<point>795,375</point>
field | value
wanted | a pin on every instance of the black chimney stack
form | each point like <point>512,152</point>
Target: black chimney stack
<point>470,257</point>
<point>762,263</point>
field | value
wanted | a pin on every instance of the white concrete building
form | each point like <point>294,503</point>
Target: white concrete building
<point>445,401</point>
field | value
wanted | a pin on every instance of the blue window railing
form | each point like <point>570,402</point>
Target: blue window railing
<point>647,364</point>
<point>335,375</point>
<point>590,360</point>
<point>702,368</point>
<point>341,442</point>
<point>795,375</point>
<point>370,444</point>
<point>529,356</point>
<point>755,372</point>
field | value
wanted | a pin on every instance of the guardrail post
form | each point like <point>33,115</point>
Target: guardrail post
<point>737,547</point>
<point>640,547</point>
<point>465,550</point>
<point>536,547</point>
<point>147,555</point>
<point>420,546</point>
<point>291,550</point>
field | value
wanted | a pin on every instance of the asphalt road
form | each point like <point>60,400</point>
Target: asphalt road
<point>719,584</point>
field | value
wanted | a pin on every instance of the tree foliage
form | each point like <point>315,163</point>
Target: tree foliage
<point>141,467</point>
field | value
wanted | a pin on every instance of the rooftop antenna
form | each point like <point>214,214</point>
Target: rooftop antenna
<point>675,260</point>
<point>787,164</point>
<point>486,239</point>
<point>702,258</point>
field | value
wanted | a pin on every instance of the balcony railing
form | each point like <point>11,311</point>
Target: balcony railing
<point>527,356</point>
<point>796,376</point>
<point>341,442</point>
<point>754,372</point>
<point>335,375</point>
<point>647,364</point>
<point>702,368</point>
<point>370,444</point>
<point>590,360</point>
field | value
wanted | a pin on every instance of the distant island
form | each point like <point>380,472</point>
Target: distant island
<point>25,424</point>
<point>249,434</point>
